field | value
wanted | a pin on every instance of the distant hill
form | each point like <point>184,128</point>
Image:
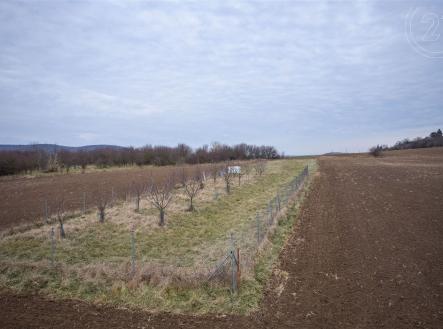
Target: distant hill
<point>51,148</point>
<point>334,153</point>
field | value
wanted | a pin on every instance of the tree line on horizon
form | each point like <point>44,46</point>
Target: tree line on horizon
<point>434,139</point>
<point>19,161</point>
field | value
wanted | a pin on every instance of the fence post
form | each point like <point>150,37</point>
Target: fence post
<point>84,203</point>
<point>112,195</point>
<point>52,247</point>
<point>46,211</point>
<point>234,272</point>
<point>133,250</point>
<point>233,265</point>
<point>238,268</point>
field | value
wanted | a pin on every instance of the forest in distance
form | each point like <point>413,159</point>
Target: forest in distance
<point>35,158</point>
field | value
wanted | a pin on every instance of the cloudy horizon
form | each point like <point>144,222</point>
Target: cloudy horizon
<point>306,77</point>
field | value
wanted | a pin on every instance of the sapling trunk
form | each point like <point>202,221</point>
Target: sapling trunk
<point>162,217</point>
<point>137,204</point>
<point>101,212</point>
<point>228,187</point>
<point>62,230</point>
<point>191,205</point>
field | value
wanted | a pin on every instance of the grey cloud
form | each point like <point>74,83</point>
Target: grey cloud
<point>288,73</point>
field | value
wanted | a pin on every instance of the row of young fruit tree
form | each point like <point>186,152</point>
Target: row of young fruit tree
<point>160,190</point>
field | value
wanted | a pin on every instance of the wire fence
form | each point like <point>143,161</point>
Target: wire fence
<point>230,266</point>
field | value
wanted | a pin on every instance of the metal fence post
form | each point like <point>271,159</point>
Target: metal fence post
<point>133,250</point>
<point>238,268</point>
<point>233,265</point>
<point>46,211</point>
<point>234,272</point>
<point>52,247</point>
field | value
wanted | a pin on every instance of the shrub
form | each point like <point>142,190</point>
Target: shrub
<point>376,151</point>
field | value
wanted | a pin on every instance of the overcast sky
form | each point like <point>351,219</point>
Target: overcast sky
<point>307,77</point>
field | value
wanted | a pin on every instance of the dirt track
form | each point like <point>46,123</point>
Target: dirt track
<point>366,253</point>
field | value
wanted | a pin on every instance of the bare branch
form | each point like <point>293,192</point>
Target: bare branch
<point>260,167</point>
<point>139,190</point>
<point>214,171</point>
<point>193,185</point>
<point>160,195</point>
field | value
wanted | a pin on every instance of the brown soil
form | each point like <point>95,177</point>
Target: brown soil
<point>366,253</point>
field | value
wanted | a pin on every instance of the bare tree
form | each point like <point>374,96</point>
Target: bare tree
<point>82,160</point>
<point>193,185</point>
<point>246,169</point>
<point>260,167</point>
<point>139,190</point>
<point>182,177</point>
<point>228,176</point>
<point>60,209</point>
<point>202,181</point>
<point>214,170</point>
<point>238,172</point>
<point>53,164</point>
<point>102,202</point>
<point>39,159</point>
<point>160,195</point>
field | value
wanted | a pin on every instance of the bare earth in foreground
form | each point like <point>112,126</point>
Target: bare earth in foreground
<point>367,252</point>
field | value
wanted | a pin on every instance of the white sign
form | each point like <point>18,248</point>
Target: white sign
<point>234,170</point>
